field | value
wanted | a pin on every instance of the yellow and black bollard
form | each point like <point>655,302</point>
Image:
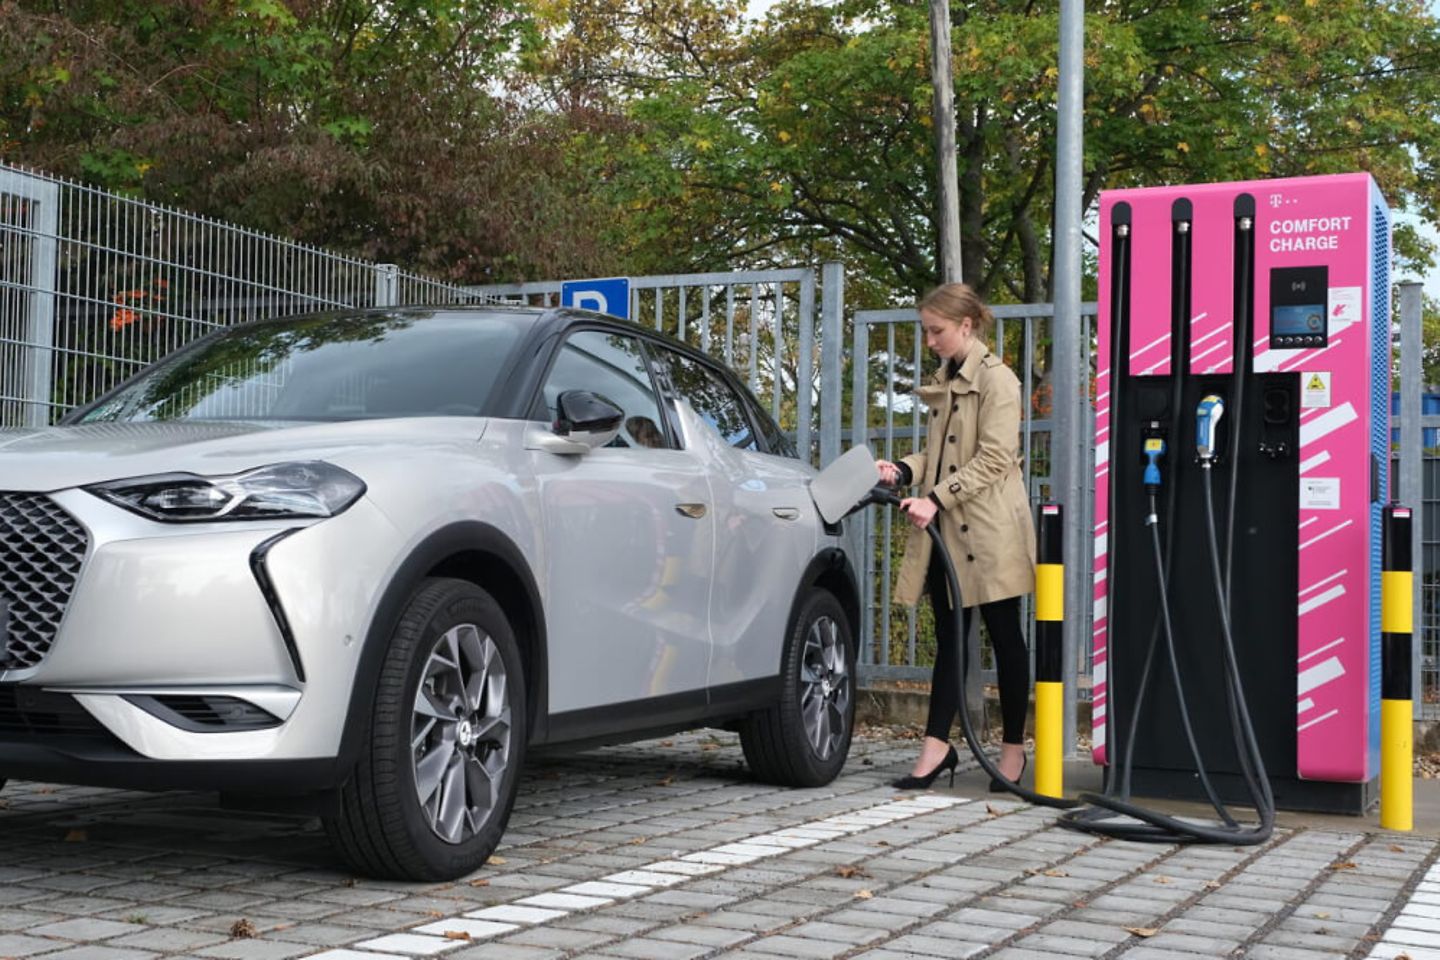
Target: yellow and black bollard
<point>1397,713</point>
<point>1049,679</point>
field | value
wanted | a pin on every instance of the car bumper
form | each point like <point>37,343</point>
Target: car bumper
<point>200,653</point>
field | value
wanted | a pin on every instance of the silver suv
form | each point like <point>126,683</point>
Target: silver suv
<point>366,559</point>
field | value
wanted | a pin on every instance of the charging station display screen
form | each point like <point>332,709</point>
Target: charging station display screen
<point>1293,320</point>
<point>1297,306</point>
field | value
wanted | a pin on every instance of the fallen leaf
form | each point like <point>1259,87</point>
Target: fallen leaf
<point>863,895</point>
<point>497,861</point>
<point>1212,884</point>
<point>1163,880</point>
<point>242,929</point>
<point>848,871</point>
<point>456,935</point>
<point>709,746</point>
<point>667,743</point>
<point>1321,915</point>
<point>636,842</point>
<point>76,836</point>
<point>666,781</point>
<point>1396,848</point>
<point>1055,872</point>
<point>349,881</point>
<point>1346,865</point>
<point>991,811</point>
<point>437,914</point>
<point>479,882</point>
<point>1143,931</point>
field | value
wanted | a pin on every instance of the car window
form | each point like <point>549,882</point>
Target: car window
<point>775,440</point>
<point>613,366</point>
<point>712,398</point>
<point>347,366</point>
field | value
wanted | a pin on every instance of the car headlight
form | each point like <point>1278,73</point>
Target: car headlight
<point>282,490</point>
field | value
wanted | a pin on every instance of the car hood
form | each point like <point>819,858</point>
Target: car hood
<point>56,458</point>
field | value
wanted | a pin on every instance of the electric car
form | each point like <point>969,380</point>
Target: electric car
<point>363,560</point>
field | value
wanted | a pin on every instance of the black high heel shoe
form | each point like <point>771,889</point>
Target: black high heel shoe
<point>999,786</point>
<point>951,761</point>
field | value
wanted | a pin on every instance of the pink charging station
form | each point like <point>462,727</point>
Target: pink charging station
<point>1242,450</point>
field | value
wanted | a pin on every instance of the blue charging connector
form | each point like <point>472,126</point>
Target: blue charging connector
<point>1154,450</point>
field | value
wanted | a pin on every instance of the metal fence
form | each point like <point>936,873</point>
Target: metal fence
<point>95,286</point>
<point>761,323</point>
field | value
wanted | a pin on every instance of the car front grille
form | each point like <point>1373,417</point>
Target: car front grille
<point>41,549</point>
<point>27,712</point>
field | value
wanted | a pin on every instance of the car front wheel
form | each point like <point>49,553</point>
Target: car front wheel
<point>804,739</point>
<point>439,768</point>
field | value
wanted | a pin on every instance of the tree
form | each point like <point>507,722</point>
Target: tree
<point>810,133</point>
<point>385,130</point>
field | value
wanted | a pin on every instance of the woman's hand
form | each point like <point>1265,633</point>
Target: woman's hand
<point>889,473</point>
<point>920,510</point>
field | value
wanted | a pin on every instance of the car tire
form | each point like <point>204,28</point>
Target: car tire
<point>804,739</point>
<point>467,748</point>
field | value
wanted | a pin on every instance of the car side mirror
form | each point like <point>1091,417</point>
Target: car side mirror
<point>586,417</point>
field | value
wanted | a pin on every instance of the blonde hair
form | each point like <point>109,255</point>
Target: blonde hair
<point>956,301</point>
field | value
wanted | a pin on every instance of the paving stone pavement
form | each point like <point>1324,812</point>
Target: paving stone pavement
<point>667,850</point>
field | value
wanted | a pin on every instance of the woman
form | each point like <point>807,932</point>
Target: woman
<point>971,484</point>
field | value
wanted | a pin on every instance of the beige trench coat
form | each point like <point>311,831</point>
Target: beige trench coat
<point>973,445</point>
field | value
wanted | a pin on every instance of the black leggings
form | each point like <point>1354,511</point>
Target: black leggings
<point>1012,660</point>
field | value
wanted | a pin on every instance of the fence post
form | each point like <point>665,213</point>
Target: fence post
<point>1411,452</point>
<point>1397,709</point>
<point>804,366</point>
<point>387,277</point>
<point>832,325</point>
<point>43,200</point>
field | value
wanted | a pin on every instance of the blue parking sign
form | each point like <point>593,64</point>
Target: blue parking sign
<point>610,295</point>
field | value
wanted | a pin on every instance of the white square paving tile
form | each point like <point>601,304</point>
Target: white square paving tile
<point>1417,938</point>
<point>594,888</point>
<point>646,878</point>
<point>778,840</point>
<point>355,955</point>
<point>681,866</point>
<point>712,856</point>
<point>1416,921</point>
<point>512,913</point>
<point>476,929</point>
<point>563,901</point>
<point>746,849</point>
<point>409,943</point>
<point>812,832</point>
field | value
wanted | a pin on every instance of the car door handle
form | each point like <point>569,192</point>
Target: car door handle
<point>786,513</point>
<point>692,510</point>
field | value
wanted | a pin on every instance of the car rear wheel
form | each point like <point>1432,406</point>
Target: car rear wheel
<point>804,739</point>
<point>431,794</point>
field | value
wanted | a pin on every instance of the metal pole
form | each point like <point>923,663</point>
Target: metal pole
<point>1066,444</point>
<point>832,322</point>
<point>1411,455</point>
<point>947,191</point>
<point>386,275</point>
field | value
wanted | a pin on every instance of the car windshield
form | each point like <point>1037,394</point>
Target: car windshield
<point>322,368</point>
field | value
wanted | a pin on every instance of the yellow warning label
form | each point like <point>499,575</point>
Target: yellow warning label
<point>1317,389</point>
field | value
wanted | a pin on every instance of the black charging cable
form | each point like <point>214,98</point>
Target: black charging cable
<point>886,495</point>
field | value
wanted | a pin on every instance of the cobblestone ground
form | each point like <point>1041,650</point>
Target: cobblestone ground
<point>667,850</point>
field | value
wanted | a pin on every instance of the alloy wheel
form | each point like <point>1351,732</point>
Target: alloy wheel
<point>460,733</point>
<point>824,687</point>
